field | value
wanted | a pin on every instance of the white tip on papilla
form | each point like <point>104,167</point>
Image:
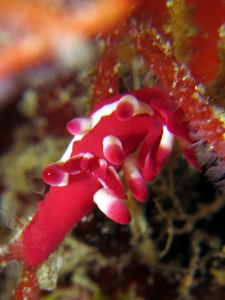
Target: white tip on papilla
<point>113,207</point>
<point>87,161</point>
<point>54,176</point>
<point>113,150</point>
<point>110,180</point>
<point>79,125</point>
<point>100,169</point>
<point>72,165</point>
<point>78,163</point>
<point>134,179</point>
<point>165,148</point>
<point>128,106</point>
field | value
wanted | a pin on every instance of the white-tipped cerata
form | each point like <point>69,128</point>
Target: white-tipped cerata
<point>149,170</point>
<point>54,176</point>
<point>79,125</point>
<point>87,161</point>
<point>134,179</point>
<point>113,150</point>
<point>113,207</point>
<point>165,148</point>
<point>128,106</point>
<point>100,169</point>
<point>112,183</point>
<point>72,165</point>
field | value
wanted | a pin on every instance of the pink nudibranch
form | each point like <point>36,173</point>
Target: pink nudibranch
<point>133,132</point>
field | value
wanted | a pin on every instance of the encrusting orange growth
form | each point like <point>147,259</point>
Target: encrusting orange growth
<point>177,80</point>
<point>27,287</point>
<point>107,72</point>
<point>48,27</point>
<point>209,17</point>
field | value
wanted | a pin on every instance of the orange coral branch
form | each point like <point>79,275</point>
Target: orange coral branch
<point>107,73</point>
<point>176,78</point>
<point>41,32</point>
<point>28,286</point>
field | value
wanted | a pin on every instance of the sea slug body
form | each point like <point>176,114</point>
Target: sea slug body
<point>134,132</point>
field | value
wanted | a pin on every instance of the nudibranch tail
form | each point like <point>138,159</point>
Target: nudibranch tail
<point>63,207</point>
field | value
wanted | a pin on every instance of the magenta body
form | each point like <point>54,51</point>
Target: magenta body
<point>141,135</point>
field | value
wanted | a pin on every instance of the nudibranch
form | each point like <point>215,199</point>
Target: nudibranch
<point>133,133</point>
